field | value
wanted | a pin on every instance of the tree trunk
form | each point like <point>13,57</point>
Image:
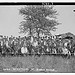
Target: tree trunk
<point>38,37</point>
<point>30,32</point>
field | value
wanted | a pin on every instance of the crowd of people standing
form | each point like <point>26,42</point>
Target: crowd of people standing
<point>46,45</point>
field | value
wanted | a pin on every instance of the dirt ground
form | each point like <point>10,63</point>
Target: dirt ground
<point>43,63</point>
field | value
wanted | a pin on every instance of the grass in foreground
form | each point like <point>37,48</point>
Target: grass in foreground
<point>19,64</point>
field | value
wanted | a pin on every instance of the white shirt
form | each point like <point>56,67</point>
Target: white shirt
<point>65,51</point>
<point>65,44</point>
<point>7,44</point>
<point>45,43</point>
<point>1,43</point>
<point>31,39</point>
<point>24,50</point>
<point>35,43</point>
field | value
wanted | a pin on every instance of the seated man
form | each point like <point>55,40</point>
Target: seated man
<point>0,49</point>
<point>29,48</point>
<point>24,50</point>
<point>66,51</point>
<point>40,50</point>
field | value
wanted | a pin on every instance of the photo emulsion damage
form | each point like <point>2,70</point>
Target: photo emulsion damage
<point>37,38</point>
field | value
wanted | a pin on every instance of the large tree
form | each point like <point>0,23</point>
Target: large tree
<point>38,18</point>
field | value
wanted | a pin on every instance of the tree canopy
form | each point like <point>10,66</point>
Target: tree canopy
<point>38,18</point>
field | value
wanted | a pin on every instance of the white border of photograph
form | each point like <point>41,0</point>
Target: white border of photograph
<point>36,1</point>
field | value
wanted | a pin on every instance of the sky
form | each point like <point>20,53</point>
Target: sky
<point>10,20</point>
<point>67,18</point>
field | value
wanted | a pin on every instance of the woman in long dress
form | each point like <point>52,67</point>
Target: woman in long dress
<point>24,49</point>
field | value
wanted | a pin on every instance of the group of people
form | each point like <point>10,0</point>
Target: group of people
<point>46,45</point>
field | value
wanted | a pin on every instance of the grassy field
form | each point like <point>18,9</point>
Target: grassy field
<point>43,63</point>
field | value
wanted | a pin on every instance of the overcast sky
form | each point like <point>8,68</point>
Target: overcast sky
<point>10,19</point>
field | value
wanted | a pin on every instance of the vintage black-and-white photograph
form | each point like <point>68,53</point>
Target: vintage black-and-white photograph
<point>37,38</point>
